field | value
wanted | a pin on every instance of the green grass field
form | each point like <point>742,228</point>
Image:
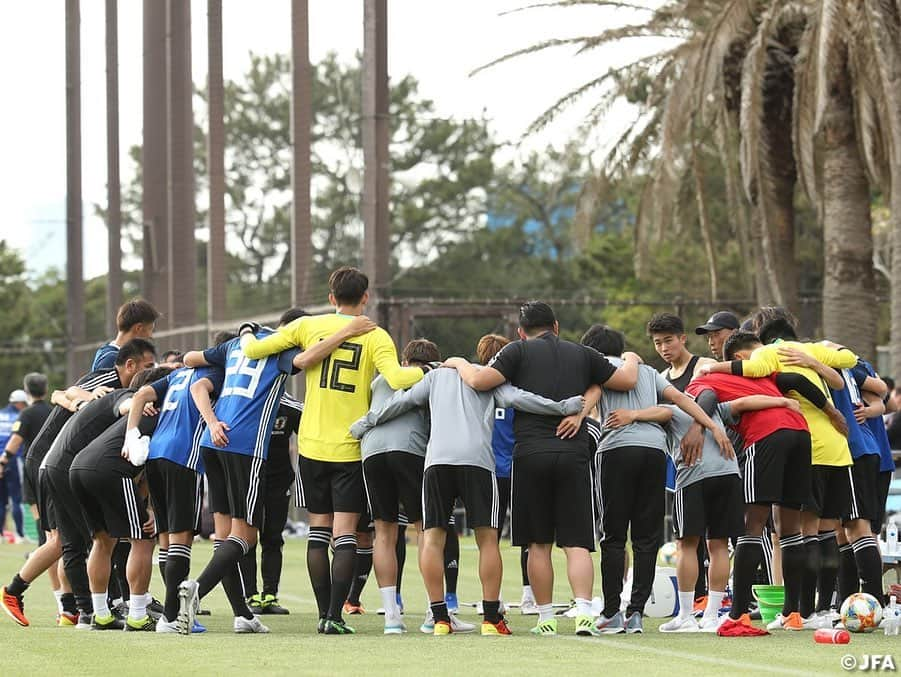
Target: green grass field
<point>294,647</point>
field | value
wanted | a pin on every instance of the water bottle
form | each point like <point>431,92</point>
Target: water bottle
<point>891,538</point>
<point>829,636</point>
<point>892,617</point>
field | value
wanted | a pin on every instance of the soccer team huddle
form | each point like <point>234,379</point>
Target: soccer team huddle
<point>579,441</point>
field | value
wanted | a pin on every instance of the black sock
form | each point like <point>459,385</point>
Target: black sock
<point>869,566</point>
<point>451,560</point>
<point>17,586</point>
<point>793,561</point>
<point>178,567</point>
<point>362,567</point>
<point>524,565</point>
<point>234,591</point>
<point>748,553</point>
<point>67,601</point>
<point>492,610</point>
<point>439,611</point>
<point>319,568</point>
<point>162,559</point>
<point>701,583</point>
<point>401,551</point>
<point>828,570</point>
<point>811,575</point>
<point>342,573</point>
<point>248,566</point>
<point>120,564</point>
<point>225,558</point>
<point>848,580</point>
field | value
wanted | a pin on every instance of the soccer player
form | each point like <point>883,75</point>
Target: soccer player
<point>24,430</point>
<point>134,356</point>
<point>135,319</point>
<point>10,480</point>
<point>92,419</point>
<point>829,493</point>
<point>633,480</point>
<point>503,441</point>
<point>235,445</point>
<point>393,461</point>
<point>718,329</point>
<point>112,508</point>
<point>553,497</point>
<point>174,467</point>
<point>459,463</point>
<point>708,505</point>
<point>667,333</point>
<point>338,392</point>
<point>280,476</point>
<point>281,473</point>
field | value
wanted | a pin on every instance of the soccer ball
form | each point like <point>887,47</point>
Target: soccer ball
<point>667,555</point>
<point>861,613</point>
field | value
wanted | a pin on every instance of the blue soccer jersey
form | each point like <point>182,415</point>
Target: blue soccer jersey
<point>860,437</point>
<point>177,436</point>
<point>105,357</point>
<point>248,403</point>
<point>876,425</point>
<point>8,417</point>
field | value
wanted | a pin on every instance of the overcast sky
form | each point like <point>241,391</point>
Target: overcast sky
<point>438,42</point>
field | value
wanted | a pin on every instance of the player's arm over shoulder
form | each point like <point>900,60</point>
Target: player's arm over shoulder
<point>763,362</point>
<point>384,356</point>
<point>699,364</point>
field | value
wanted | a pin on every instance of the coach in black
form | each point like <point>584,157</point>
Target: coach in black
<point>552,486</point>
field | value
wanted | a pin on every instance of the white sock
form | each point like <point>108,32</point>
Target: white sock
<point>137,606</point>
<point>389,602</point>
<point>714,602</point>
<point>101,608</point>
<point>545,612</point>
<point>686,603</point>
<point>59,600</point>
<point>583,606</point>
<point>527,593</point>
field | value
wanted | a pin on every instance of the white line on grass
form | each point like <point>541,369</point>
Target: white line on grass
<point>631,646</point>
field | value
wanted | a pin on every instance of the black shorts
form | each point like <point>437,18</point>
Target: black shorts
<point>776,469</point>
<point>830,491</point>
<point>327,487</point>
<point>46,505</point>
<point>442,485</point>
<point>237,484</point>
<point>884,482</point>
<point>864,503</point>
<point>176,493</point>
<point>553,500</point>
<point>29,484</point>
<point>109,502</point>
<point>711,508</point>
<point>393,479</point>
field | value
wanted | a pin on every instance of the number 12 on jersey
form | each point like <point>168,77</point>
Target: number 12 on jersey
<point>330,375</point>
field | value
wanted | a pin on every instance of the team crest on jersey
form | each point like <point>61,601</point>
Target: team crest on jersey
<point>280,423</point>
<point>500,414</point>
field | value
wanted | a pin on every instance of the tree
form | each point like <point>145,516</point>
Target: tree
<point>440,170</point>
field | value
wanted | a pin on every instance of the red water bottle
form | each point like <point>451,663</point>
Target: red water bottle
<point>826,636</point>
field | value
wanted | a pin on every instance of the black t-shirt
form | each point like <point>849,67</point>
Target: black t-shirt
<point>286,423</point>
<point>59,416</point>
<point>105,453</point>
<point>556,369</point>
<point>84,427</point>
<point>29,424</point>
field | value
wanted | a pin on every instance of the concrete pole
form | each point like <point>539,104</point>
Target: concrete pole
<point>74,243</point>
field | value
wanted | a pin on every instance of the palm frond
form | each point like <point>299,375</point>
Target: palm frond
<point>573,3</point>
<point>736,20</point>
<point>532,49</point>
<point>830,36</point>
<point>804,132</point>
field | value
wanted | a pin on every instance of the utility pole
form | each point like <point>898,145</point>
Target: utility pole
<point>215,263</point>
<point>301,121</point>
<point>74,242</point>
<point>113,185</point>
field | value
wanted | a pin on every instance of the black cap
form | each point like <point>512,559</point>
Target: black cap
<point>721,320</point>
